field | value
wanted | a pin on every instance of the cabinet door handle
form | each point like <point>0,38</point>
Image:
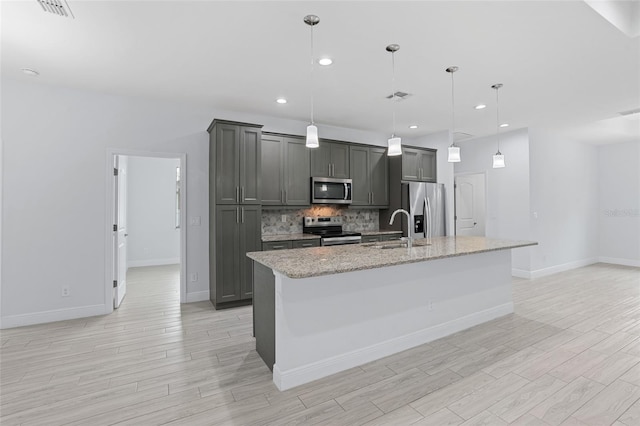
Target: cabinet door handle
<point>329,166</point>
<point>277,247</point>
<point>242,208</point>
<point>237,194</point>
<point>372,198</point>
<point>237,215</point>
<point>242,192</point>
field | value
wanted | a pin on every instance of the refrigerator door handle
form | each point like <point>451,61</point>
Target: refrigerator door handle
<point>425,223</point>
<point>429,231</point>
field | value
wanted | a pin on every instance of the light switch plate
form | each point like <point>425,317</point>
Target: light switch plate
<point>195,221</point>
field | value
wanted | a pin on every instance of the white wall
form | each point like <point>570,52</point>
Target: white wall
<point>507,189</point>
<point>55,144</point>
<point>564,196</point>
<point>151,212</point>
<point>619,206</point>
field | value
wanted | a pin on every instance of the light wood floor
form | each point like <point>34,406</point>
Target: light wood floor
<point>569,355</point>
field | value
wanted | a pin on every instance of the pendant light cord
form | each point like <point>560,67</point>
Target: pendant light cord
<point>498,118</point>
<point>393,91</point>
<point>453,109</point>
<point>312,74</point>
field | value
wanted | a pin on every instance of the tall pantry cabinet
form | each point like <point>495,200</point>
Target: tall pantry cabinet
<point>235,197</point>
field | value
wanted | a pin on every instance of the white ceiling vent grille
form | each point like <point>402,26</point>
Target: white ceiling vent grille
<point>630,112</point>
<point>57,7</point>
<point>461,136</point>
<point>399,96</point>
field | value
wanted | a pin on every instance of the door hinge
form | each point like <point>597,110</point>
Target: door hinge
<point>115,171</point>
<point>115,283</point>
<point>115,227</point>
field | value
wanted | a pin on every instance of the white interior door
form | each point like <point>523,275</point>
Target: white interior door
<point>470,205</point>
<point>120,255</point>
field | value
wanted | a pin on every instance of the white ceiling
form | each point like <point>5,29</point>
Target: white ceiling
<point>561,63</point>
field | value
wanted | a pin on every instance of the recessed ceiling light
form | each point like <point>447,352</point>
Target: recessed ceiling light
<point>29,71</point>
<point>325,61</point>
<point>480,106</point>
<point>413,126</point>
<point>504,125</point>
<point>281,100</point>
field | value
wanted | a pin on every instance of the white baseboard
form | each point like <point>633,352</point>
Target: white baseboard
<point>52,316</point>
<point>521,273</point>
<point>563,267</point>
<point>617,261</point>
<point>297,376</point>
<point>197,296</point>
<point>152,262</point>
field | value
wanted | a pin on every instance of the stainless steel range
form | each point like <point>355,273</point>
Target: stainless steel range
<point>330,230</point>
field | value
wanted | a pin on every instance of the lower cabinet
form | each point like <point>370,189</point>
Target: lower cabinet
<point>237,231</point>
<point>290,244</point>
<point>380,237</point>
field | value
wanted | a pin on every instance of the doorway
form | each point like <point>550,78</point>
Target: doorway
<point>470,204</point>
<point>147,203</point>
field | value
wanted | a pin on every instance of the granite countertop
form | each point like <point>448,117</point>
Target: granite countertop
<point>365,233</point>
<point>312,262</point>
<point>288,237</point>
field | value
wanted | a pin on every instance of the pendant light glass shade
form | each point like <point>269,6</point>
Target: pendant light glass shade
<point>454,151</point>
<point>312,136</point>
<point>312,130</point>
<point>395,146</point>
<point>498,158</point>
<point>454,154</point>
<point>394,142</point>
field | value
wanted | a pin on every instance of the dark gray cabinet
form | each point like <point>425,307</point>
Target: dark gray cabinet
<point>234,210</point>
<point>235,151</point>
<point>290,244</point>
<point>418,164</point>
<point>371,238</point>
<point>330,159</point>
<point>237,232</point>
<point>369,170</point>
<point>285,171</point>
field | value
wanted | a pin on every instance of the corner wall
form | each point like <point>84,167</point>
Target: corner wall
<point>619,206</point>
<point>564,202</point>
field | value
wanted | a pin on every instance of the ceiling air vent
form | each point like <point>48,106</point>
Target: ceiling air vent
<point>461,136</point>
<point>630,112</point>
<point>399,96</point>
<point>57,7</point>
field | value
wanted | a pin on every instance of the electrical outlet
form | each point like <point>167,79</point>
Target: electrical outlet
<point>66,291</point>
<point>195,221</point>
<point>284,218</point>
<point>193,277</point>
<point>366,216</point>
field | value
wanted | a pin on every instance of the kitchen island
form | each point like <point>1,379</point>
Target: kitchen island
<point>321,310</point>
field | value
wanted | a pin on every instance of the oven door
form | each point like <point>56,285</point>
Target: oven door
<point>336,241</point>
<point>331,191</point>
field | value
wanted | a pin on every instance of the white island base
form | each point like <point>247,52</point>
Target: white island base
<point>330,323</point>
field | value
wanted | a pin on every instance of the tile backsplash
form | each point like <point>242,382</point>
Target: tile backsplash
<point>352,219</point>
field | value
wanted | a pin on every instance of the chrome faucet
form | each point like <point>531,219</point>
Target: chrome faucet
<point>409,239</point>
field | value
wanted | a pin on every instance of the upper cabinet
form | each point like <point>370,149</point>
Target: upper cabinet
<point>330,159</point>
<point>285,171</point>
<point>236,152</point>
<point>369,169</point>
<point>419,164</point>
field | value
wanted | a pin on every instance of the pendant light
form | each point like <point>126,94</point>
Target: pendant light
<point>312,130</point>
<point>454,151</point>
<point>498,158</point>
<point>395,144</point>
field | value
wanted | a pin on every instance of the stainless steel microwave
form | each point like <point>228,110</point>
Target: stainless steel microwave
<point>331,190</point>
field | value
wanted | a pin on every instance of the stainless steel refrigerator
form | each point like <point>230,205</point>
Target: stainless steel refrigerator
<point>425,203</point>
<point>426,207</point>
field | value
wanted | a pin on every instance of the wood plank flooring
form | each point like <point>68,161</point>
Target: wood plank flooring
<point>569,355</point>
